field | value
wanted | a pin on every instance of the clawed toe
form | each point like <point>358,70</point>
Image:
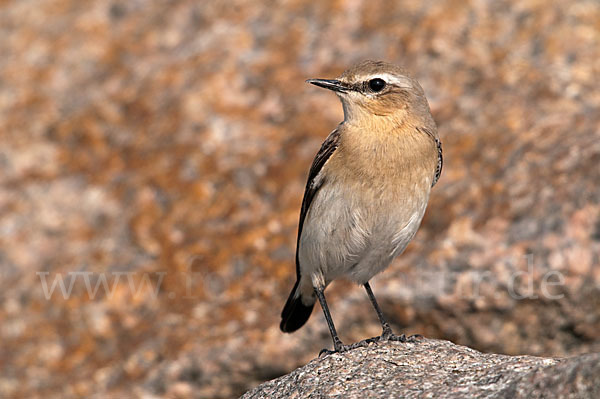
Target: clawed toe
<point>396,338</point>
<point>403,338</point>
<point>325,352</point>
<point>341,348</point>
<point>386,336</point>
<point>414,338</point>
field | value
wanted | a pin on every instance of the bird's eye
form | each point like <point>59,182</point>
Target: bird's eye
<point>376,84</point>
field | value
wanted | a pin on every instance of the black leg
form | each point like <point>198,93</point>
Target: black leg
<point>387,334</point>
<point>337,343</point>
<point>387,330</point>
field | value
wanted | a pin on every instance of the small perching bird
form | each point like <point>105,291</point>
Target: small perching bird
<point>367,188</point>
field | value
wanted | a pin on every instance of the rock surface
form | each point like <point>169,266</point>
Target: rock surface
<point>435,369</point>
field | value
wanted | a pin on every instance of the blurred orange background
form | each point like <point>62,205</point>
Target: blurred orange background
<point>162,147</point>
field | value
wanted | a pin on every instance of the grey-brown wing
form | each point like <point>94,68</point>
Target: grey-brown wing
<point>313,184</point>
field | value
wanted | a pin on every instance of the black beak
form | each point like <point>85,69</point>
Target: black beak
<point>334,85</point>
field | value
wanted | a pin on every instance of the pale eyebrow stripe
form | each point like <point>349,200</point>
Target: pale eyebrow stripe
<point>400,81</point>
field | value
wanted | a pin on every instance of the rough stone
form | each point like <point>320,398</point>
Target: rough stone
<point>435,369</point>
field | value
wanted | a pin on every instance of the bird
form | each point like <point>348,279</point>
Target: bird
<point>367,189</point>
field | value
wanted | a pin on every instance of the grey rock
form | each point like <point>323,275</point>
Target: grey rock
<point>435,369</point>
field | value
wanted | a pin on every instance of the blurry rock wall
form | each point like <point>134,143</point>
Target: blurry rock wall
<point>153,156</point>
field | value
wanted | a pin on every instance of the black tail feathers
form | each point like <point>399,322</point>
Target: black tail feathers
<point>294,313</point>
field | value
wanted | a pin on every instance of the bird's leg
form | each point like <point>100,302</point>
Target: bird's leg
<point>387,333</point>
<point>387,330</point>
<point>338,346</point>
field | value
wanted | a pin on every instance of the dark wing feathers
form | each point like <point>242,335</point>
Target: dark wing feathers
<point>438,169</point>
<point>438,144</point>
<point>295,313</point>
<point>312,185</point>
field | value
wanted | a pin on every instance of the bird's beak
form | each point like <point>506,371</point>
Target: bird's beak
<point>330,84</point>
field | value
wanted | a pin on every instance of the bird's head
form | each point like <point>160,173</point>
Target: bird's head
<point>377,90</point>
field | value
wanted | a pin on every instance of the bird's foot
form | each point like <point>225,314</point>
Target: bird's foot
<point>388,335</point>
<point>341,348</point>
<point>413,338</point>
<point>403,338</point>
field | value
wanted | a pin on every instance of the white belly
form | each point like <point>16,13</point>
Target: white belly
<point>355,238</point>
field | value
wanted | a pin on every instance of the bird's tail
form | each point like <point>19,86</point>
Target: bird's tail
<point>294,313</point>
